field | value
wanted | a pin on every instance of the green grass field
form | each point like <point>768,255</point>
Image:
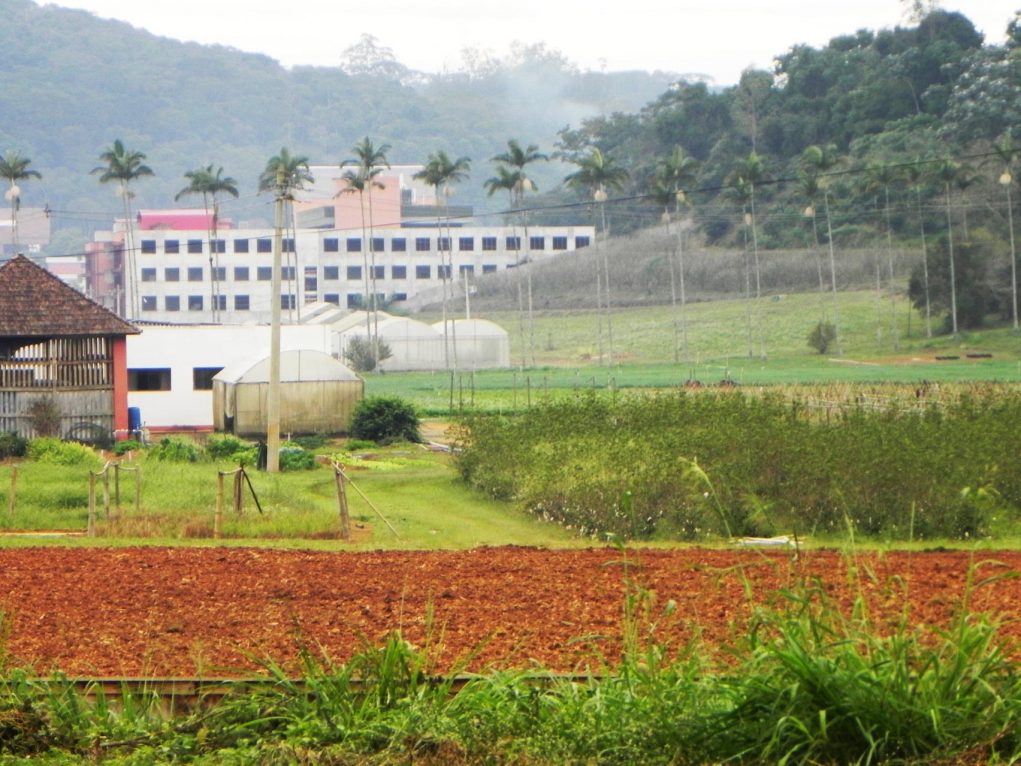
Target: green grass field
<point>645,339</point>
<point>414,489</point>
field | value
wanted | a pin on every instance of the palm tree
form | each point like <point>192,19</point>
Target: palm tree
<point>947,172</point>
<point>879,176</point>
<point>284,174</point>
<point>361,177</point>
<point>209,183</point>
<point>819,162</point>
<point>809,188</point>
<point>597,173</point>
<point>750,171</point>
<point>676,173</point>
<point>1007,151</point>
<point>509,181</point>
<point>515,160</point>
<point>915,175</point>
<point>14,168</point>
<point>440,172</point>
<point>740,193</point>
<point>123,166</point>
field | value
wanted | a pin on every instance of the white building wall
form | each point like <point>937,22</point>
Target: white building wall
<point>324,266</point>
<point>183,349</point>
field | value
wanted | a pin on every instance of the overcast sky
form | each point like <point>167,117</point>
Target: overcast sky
<point>718,38</point>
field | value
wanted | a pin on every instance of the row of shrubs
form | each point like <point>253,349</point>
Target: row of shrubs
<point>378,420</point>
<point>695,464</point>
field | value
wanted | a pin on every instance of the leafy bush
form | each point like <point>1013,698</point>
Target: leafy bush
<point>12,445</point>
<point>44,415</point>
<point>294,458</point>
<point>311,441</point>
<point>692,465</point>
<point>49,449</point>
<point>822,336</point>
<point>176,450</point>
<point>364,355</point>
<point>128,445</point>
<point>220,446</point>
<point>384,420</point>
<point>357,444</point>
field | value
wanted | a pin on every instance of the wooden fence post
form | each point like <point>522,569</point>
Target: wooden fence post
<point>106,492</point>
<point>14,488</point>
<point>239,495</point>
<point>218,516</point>
<point>91,531</point>
<point>117,487</point>
<point>345,519</point>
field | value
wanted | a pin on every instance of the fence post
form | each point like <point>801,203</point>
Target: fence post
<point>117,487</point>
<point>106,492</point>
<point>14,487</point>
<point>238,494</point>
<point>91,530</point>
<point>138,491</point>
<point>218,515</point>
<point>345,519</point>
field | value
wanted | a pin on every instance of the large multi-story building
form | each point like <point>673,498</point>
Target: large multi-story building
<point>182,274</point>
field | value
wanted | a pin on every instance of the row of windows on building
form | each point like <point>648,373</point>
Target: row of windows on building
<point>159,378</point>
<point>174,303</point>
<point>287,273</point>
<point>354,244</point>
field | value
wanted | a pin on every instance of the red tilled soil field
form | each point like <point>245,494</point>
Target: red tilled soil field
<point>131,612</point>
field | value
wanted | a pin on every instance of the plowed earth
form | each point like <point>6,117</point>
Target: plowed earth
<point>131,612</point>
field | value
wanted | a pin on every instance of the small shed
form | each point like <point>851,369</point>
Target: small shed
<point>318,394</point>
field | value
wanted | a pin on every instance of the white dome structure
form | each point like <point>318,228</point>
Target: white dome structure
<point>413,345</point>
<point>480,344</point>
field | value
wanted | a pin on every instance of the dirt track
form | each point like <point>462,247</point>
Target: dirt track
<point>186,612</point>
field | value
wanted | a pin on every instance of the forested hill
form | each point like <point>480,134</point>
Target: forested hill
<point>70,83</point>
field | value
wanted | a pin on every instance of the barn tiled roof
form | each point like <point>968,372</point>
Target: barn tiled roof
<point>36,304</point>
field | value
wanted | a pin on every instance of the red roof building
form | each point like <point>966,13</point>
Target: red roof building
<point>63,361</point>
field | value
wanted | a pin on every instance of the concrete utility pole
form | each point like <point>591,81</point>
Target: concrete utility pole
<point>273,398</point>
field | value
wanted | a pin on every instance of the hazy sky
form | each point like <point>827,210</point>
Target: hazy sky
<point>718,38</point>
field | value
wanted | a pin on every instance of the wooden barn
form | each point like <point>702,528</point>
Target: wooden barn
<point>63,361</point>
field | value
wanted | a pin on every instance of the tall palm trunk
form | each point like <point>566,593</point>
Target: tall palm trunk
<point>758,280</point>
<point>365,283</point>
<point>833,274</point>
<point>925,265</point>
<point>528,284</point>
<point>1013,259</point>
<point>894,336</point>
<point>953,275</point>
<point>680,269</point>
<point>606,278</point>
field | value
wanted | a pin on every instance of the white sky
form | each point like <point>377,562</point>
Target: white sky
<point>718,38</point>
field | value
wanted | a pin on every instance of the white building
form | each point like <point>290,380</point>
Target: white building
<point>181,272</point>
<point>171,368</point>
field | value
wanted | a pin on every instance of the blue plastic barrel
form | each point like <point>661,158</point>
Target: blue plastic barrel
<point>134,419</point>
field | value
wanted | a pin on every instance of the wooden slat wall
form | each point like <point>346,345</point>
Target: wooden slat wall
<point>60,364</point>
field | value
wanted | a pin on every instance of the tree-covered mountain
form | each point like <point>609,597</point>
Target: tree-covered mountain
<point>71,83</point>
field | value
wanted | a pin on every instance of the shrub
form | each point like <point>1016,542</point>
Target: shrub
<point>384,420</point>
<point>128,445</point>
<point>822,336</point>
<point>12,445</point>
<point>311,441</point>
<point>176,450</point>
<point>294,458</point>
<point>357,444</point>
<point>220,446</point>
<point>49,449</point>
<point>44,415</point>
<point>359,353</point>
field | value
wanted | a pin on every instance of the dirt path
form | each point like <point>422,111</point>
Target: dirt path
<point>187,611</point>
